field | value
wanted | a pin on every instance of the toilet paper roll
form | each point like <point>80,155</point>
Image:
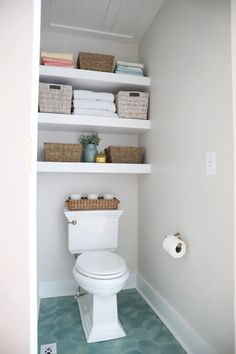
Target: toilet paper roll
<point>174,246</point>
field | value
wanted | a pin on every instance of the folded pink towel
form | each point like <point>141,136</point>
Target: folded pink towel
<point>56,60</point>
<point>59,64</point>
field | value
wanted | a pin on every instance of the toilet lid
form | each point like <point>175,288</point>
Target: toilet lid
<point>100,265</point>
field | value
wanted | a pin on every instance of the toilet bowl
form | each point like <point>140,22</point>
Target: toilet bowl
<point>102,274</point>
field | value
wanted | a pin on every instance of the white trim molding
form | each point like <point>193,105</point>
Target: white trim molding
<point>69,287</point>
<point>55,288</point>
<point>35,52</point>
<point>233,56</point>
<point>190,340</point>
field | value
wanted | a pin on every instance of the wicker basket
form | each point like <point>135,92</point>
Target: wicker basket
<point>55,98</point>
<point>89,204</point>
<point>127,154</point>
<point>63,152</point>
<point>132,104</point>
<point>94,61</point>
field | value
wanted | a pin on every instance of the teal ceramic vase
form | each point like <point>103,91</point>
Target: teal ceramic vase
<point>90,152</point>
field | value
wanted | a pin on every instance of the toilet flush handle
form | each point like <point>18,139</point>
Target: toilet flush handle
<point>74,222</point>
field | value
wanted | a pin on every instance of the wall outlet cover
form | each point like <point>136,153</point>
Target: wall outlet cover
<point>48,348</point>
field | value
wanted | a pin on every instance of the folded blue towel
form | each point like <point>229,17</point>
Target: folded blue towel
<point>128,73</point>
<point>129,69</point>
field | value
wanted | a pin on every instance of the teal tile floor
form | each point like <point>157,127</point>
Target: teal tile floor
<point>59,321</point>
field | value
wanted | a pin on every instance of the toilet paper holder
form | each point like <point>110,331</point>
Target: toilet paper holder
<point>179,246</point>
<point>174,245</point>
<point>176,235</point>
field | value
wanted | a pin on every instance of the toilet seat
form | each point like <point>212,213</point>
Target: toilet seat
<point>100,265</point>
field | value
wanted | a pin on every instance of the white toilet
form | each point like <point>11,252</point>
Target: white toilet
<point>101,273</point>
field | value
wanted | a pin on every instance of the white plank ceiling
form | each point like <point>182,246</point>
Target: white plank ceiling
<point>122,20</point>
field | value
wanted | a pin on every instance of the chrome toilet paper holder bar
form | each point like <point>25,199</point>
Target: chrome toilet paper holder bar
<point>179,246</point>
<point>176,235</point>
<point>175,246</point>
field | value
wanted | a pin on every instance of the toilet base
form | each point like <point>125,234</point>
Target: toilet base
<point>99,318</point>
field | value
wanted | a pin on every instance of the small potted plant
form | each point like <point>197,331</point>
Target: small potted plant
<point>90,143</point>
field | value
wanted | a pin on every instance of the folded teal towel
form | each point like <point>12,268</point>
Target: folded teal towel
<point>129,69</point>
<point>125,63</point>
<point>128,73</point>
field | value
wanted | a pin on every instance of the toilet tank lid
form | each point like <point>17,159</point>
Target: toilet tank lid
<point>103,263</point>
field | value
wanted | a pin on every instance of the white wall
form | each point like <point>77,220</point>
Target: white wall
<point>72,43</point>
<point>187,54</point>
<point>18,89</point>
<point>54,261</point>
<point>233,51</point>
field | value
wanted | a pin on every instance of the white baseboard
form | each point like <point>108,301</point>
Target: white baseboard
<point>190,340</point>
<point>38,306</point>
<point>131,282</point>
<point>54,288</point>
<point>69,287</point>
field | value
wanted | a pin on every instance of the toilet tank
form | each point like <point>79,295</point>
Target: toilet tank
<point>92,230</point>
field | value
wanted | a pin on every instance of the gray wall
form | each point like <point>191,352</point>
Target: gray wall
<point>187,55</point>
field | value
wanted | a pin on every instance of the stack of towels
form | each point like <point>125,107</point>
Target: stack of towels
<point>123,67</point>
<point>57,59</point>
<point>94,103</point>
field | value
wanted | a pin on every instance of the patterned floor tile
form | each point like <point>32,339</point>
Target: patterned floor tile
<point>59,321</point>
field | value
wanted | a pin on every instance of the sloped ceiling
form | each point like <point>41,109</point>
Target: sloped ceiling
<point>121,20</point>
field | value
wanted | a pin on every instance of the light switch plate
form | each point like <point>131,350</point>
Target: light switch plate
<point>211,163</point>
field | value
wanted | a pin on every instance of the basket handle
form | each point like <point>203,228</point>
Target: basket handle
<point>55,87</point>
<point>134,94</point>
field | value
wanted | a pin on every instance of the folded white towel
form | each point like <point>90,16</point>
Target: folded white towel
<point>94,112</point>
<point>92,95</point>
<point>92,104</point>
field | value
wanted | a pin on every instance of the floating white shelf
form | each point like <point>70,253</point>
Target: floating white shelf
<point>83,167</point>
<point>96,81</point>
<point>93,80</point>
<point>67,122</point>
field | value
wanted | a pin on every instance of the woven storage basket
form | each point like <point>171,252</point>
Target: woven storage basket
<point>127,154</point>
<point>55,98</point>
<point>63,152</point>
<point>94,61</point>
<point>89,204</point>
<point>132,104</point>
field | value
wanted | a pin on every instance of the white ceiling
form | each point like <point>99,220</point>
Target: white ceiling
<point>122,20</point>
